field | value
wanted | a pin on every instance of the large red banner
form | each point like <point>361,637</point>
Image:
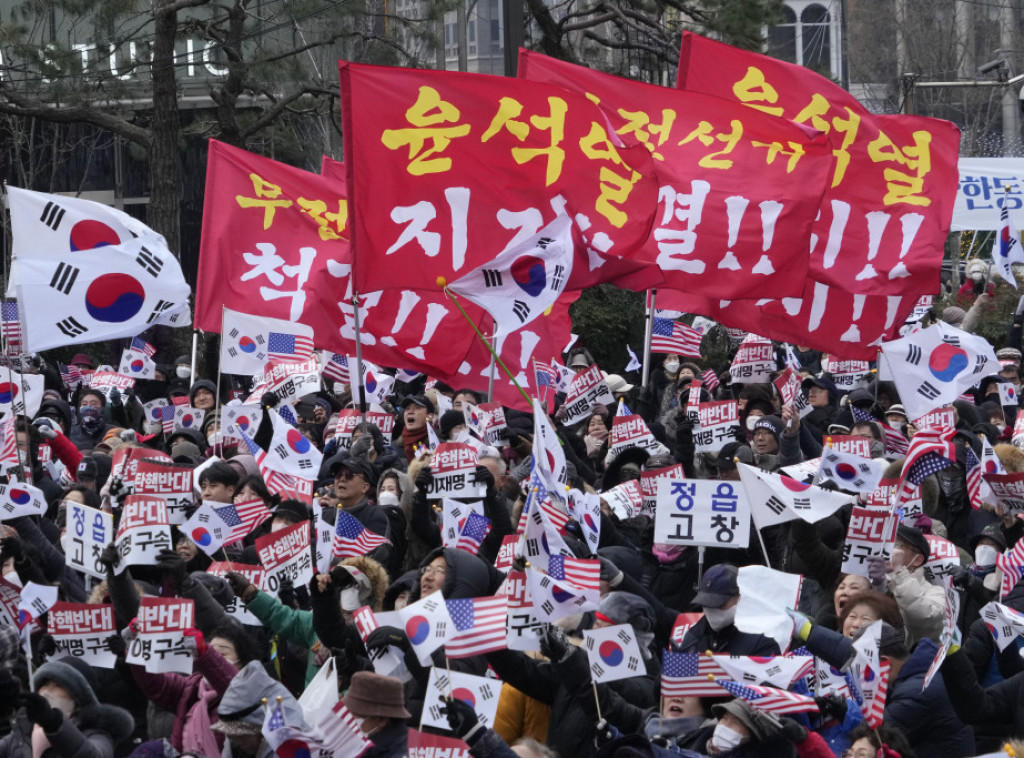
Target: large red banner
<point>275,242</point>
<point>447,170</point>
<point>739,190</point>
<point>887,212</point>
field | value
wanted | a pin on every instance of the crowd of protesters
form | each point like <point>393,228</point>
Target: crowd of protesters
<point>58,706</point>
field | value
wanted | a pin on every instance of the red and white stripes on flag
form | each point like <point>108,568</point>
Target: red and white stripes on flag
<point>336,367</point>
<point>710,379</point>
<point>140,345</point>
<point>10,326</point>
<point>582,573</point>
<point>771,699</point>
<point>242,518</point>
<point>288,346</point>
<point>340,733</point>
<point>558,518</point>
<point>8,444</point>
<point>352,539</point>
<point>973,478</point>
<point>481,626</point>
<point>668,336</point>
<point>1011,563</point>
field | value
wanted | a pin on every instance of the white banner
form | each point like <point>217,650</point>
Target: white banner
<point>702,512</point>
<point>87,533</point>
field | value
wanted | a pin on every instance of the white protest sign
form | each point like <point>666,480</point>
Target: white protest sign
<point>754,361</point>
<point>871,533</point>
<point>1008,489</point>
<point>523,628</point>
<point>849,443</point>
<point>949,634</point>
<point>454,469</point>
<point>285,554</point>
<point>236,608</point>
<point>81,630</point>
<point>290,381</point>
<point>88,532</point>
<point>765,594</point>
<point>632,431</point>
<point>587,389</point>
<point>494,426</point>
<point>719,421</point>
<point>625,500</point>
<point>386,661</point>
<point>845,374</point>
<point>702,512</point>
<point>104,381</point>
<point>143,531</point>
<point>169,481</point>
<point>159,647</point>
<point>942,559</point>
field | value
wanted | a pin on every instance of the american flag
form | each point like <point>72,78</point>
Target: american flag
<point>895,443</point>
<point>770,699</point>
<point>481,625</point>
<point>689,674</point>
<point>71,376</point>
<point>284,739</point>
<point>668,336</point>
<point>352,539</point>
<point>141,346</point>
<point>336,367</point>
<point>710,379</point>
<point>875,713</point>
<point>340,734</point>
<point>242,518</point>
<point>545,376</point>
<point>556,515</point>
<point>288,347</point>
<point>582,573</point>
<point>474,530</point>
<point>8,444</point>
<point>10,326</point>
<point>930,450</point>
<point>1011,563</point>
<point>973,478</point>
<point>167,418</point>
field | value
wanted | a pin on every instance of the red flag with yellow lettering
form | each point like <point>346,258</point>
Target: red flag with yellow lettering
<point>739,190</point>
<point>275,243</point>
<point>448,169</point>
<point>887,212</point>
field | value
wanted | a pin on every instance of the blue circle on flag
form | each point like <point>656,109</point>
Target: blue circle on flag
<point>114,298</point>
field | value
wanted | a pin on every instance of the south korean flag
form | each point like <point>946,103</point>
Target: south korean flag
<point>851,472</point>
<point>522,282</point>
<point>100,294</point>
<point>613,653</point>
<point>290,452</point>
<point>45,223</point>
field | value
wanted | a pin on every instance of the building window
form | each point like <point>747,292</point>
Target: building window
<point>804,36</point>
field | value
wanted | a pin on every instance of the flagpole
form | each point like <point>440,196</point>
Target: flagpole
<point>648,324</point>
<point>490,369</point>
<point>195,341</point>
<point>359,358</point>
<point>483,339</point>
<point>219,447</point>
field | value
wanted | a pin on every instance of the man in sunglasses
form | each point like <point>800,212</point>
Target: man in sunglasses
<point>354,481</point>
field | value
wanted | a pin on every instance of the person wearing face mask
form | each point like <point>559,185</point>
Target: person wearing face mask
<point>922,604</point>
<point>718,595</point>
<point>91,426</point>
<point>378,704</point>
<point>61,716</point>
<point>979,582</point>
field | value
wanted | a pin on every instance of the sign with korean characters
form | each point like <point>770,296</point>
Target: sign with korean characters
<point>849,443</point>
<point>104,381</point>
<point>427,210</point>
<point>631,431</point>
<point>754,361</point>
<point>81,630</point>
<point>271,230</point>
<point>166,480</point>
<point>845,374</point>
<point>159,646</point>
<point>125,464</point>
<point>236,608</point>
<point>290,381</point>
<point>143,531</point>
<point>649,486</point>
<point>350,418</point>
<point>285,554</point>
<point>1008,489</point>
<point>87,533</point>
<point>719,422</point>
<point>871,533</point>
<point>943,557</point>
<point>454,468</point>
<point>587,389</point>
<point>702,512</point>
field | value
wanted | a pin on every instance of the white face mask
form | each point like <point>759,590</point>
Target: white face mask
<point>751,421</point>
<point>671,366</point>
<point>387,498</point>
<point>13,578</point>
<point>63,704</point>
<point>725,739</point>
<point>986,555</point>
<point>719,619</point>
<point>183,372</point>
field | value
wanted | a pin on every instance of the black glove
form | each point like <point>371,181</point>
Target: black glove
<point>554,645</point>
<point>518,563</point>
<point>383,636</point>
<point>286,593</point>
<point>462,719</point>
<point>117,645</point>
<point>963,578</point>
<point>610,573</point>
<point>424,479</point>
<point>341,578</point>
<point>238,583</point>
<point>484,477</point>
<point>109,558</point>
<point>46,645</point>
<point>115,397</point>
<point>832,706</point>
<point>172,566</point>
<point>39,711</point>
<point>12,547</point>
<point>792,731</point>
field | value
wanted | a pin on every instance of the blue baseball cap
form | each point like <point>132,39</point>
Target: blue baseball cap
<point>718,586</point>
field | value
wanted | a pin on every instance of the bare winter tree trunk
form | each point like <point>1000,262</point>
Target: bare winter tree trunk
<point>164,158</point>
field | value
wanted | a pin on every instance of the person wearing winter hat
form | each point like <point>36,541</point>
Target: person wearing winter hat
<point>61,716</point>
<point>91,424</point>
<point>203,395</point>
<point>767,430</point>
<point>451,423</point>
<point>922,604</point>
<point>378,704</point>
<point>241,711</point>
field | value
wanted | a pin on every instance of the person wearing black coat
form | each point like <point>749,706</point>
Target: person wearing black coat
<point>1000,707</point>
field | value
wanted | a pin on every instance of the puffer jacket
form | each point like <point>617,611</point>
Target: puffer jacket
<point>92,732</point>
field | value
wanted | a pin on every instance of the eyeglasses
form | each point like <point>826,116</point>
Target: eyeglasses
<point>345,474</point>
<point>442,570</point>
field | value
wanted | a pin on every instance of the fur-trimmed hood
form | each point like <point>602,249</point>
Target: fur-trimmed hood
<point>1011,456</point>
